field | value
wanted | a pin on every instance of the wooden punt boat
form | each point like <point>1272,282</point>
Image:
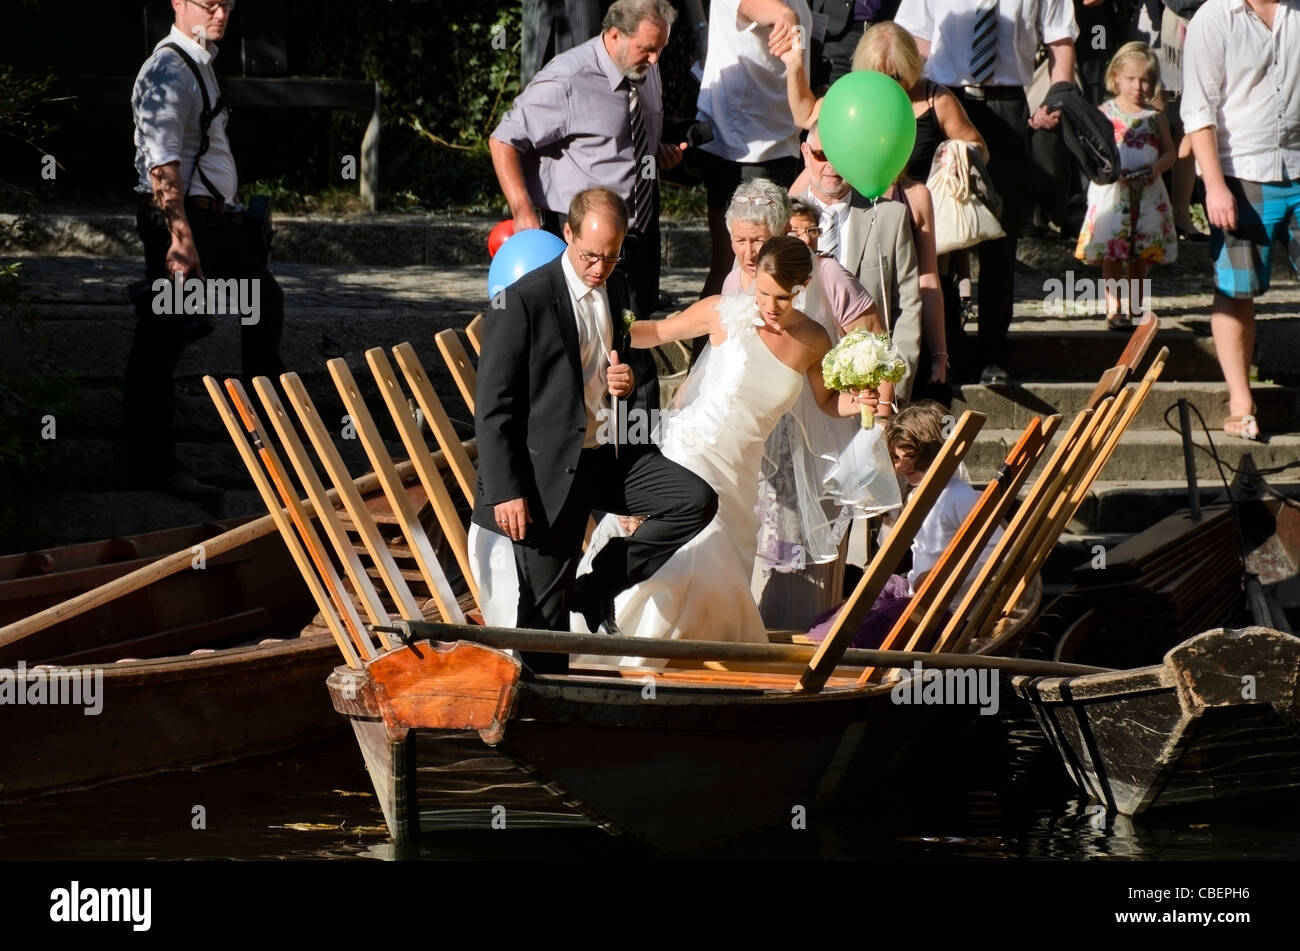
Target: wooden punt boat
<point>722,738</point>
<point>1216,717</point>
<point>202,638</point>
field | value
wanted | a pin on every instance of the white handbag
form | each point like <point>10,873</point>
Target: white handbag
<point>962,198</point>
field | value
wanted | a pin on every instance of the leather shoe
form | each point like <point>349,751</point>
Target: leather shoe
<point>597,609</point>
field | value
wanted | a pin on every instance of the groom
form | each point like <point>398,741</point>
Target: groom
<point>549,367</point>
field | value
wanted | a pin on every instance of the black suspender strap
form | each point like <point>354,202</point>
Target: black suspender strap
<point>205,118</point>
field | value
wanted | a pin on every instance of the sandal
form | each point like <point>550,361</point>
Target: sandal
<point>1119,322</point>
<point>1246,426</point>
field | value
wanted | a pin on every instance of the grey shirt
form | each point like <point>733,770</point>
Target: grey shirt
<point>572,130</point>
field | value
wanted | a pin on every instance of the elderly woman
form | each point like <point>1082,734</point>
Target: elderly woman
<point>761,209</point>
<point>888,49</point>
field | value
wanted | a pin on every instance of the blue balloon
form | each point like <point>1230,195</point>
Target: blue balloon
<point>525,251</point>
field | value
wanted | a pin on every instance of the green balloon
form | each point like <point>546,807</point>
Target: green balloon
<point>867,130</point>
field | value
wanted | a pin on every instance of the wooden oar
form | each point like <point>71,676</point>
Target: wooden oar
<point>282,522</point>
<point>352,502</point>
<point>559,642</point>
<point>1023,519</point>
<point>162,568</point>
<point>443,508</point>
<point>439,422</point>
<point>912,630</point>
<point>350,494</point>
<point>425,557</point>
<point>1043,545</point>
<point>329,516</point>
<point>474,331</point>
<point>891,552</point>
<point>1138,342</point>
<point>288,497</point>
<point>462,371</point>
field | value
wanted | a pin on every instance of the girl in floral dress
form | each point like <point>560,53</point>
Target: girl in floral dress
<point>1130,224</point>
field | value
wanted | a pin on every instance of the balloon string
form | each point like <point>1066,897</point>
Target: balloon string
<point>880,261</point>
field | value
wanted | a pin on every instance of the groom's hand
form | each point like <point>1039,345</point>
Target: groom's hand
<point>512,519</point>
<point>620,378</point>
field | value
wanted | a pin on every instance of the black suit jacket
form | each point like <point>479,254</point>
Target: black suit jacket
<point>530,419</point>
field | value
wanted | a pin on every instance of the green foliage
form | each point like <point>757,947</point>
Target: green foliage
<point>446,70</point>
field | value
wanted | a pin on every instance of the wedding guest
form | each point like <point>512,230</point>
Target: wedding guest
<point>593,117</point>
<point>915,436</point>
<point>1173,34</point>
<point>1241,108</point>
<point>874,243</point>
<point>984,51</point>
<point>761,209</point>
<point>742,96</point>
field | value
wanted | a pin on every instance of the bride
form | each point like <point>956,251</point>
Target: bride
<point>763,351</point>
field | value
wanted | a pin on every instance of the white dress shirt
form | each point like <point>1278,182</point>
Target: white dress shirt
<point>591,309</point>
<point>166,103</point>
<point>743,92</point>
<point>1255,104</point>
<point>837,213</point>
<point>948,26</point>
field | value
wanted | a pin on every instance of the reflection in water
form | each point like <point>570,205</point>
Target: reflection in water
<point>997,793</point>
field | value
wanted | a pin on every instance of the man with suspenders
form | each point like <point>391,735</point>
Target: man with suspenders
<point>191,227</point>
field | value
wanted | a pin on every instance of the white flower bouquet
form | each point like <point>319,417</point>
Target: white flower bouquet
<point>861,361</point>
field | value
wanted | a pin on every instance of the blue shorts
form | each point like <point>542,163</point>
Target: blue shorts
<point>1266,212</point>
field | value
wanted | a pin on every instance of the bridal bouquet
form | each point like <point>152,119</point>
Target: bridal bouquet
<point>862,361</point>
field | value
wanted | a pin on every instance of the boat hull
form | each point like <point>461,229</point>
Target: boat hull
<point>1218,720</point>
<point>169,713</point>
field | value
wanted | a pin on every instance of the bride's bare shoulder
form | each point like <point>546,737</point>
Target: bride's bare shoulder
<point>812,335</point>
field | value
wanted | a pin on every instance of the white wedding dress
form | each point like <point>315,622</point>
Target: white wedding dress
<point>738,392</point>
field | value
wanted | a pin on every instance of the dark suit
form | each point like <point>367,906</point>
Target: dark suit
<point>531,421</point>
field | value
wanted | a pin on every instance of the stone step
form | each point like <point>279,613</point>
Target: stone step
<point>1010,407</point>
<point>1153,455</point>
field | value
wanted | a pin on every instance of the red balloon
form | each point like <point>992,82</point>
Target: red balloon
<point>497,236</point>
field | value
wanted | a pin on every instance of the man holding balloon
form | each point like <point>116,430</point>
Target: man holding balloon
<point>983,50</point>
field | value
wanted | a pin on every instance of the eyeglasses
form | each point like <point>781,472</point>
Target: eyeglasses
<point>589,258</point>
<point>212,7</point>
<point>806,232</point>
<point>818,154</point>
<point>747,200</point>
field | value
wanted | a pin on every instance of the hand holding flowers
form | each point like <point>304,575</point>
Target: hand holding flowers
<point>862,361</point>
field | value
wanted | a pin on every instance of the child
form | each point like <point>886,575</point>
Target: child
<point>915,436</point>
<point>1131,221</point>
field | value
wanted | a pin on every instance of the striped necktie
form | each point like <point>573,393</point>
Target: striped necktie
<point>829,243</point>
<point>984,49</point>
<point>642,183</point>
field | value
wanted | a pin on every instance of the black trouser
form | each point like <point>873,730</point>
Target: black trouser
<point>1004,123</point>
<point>639,481</point>
<point>639,263</point>
<point>160,338</point>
